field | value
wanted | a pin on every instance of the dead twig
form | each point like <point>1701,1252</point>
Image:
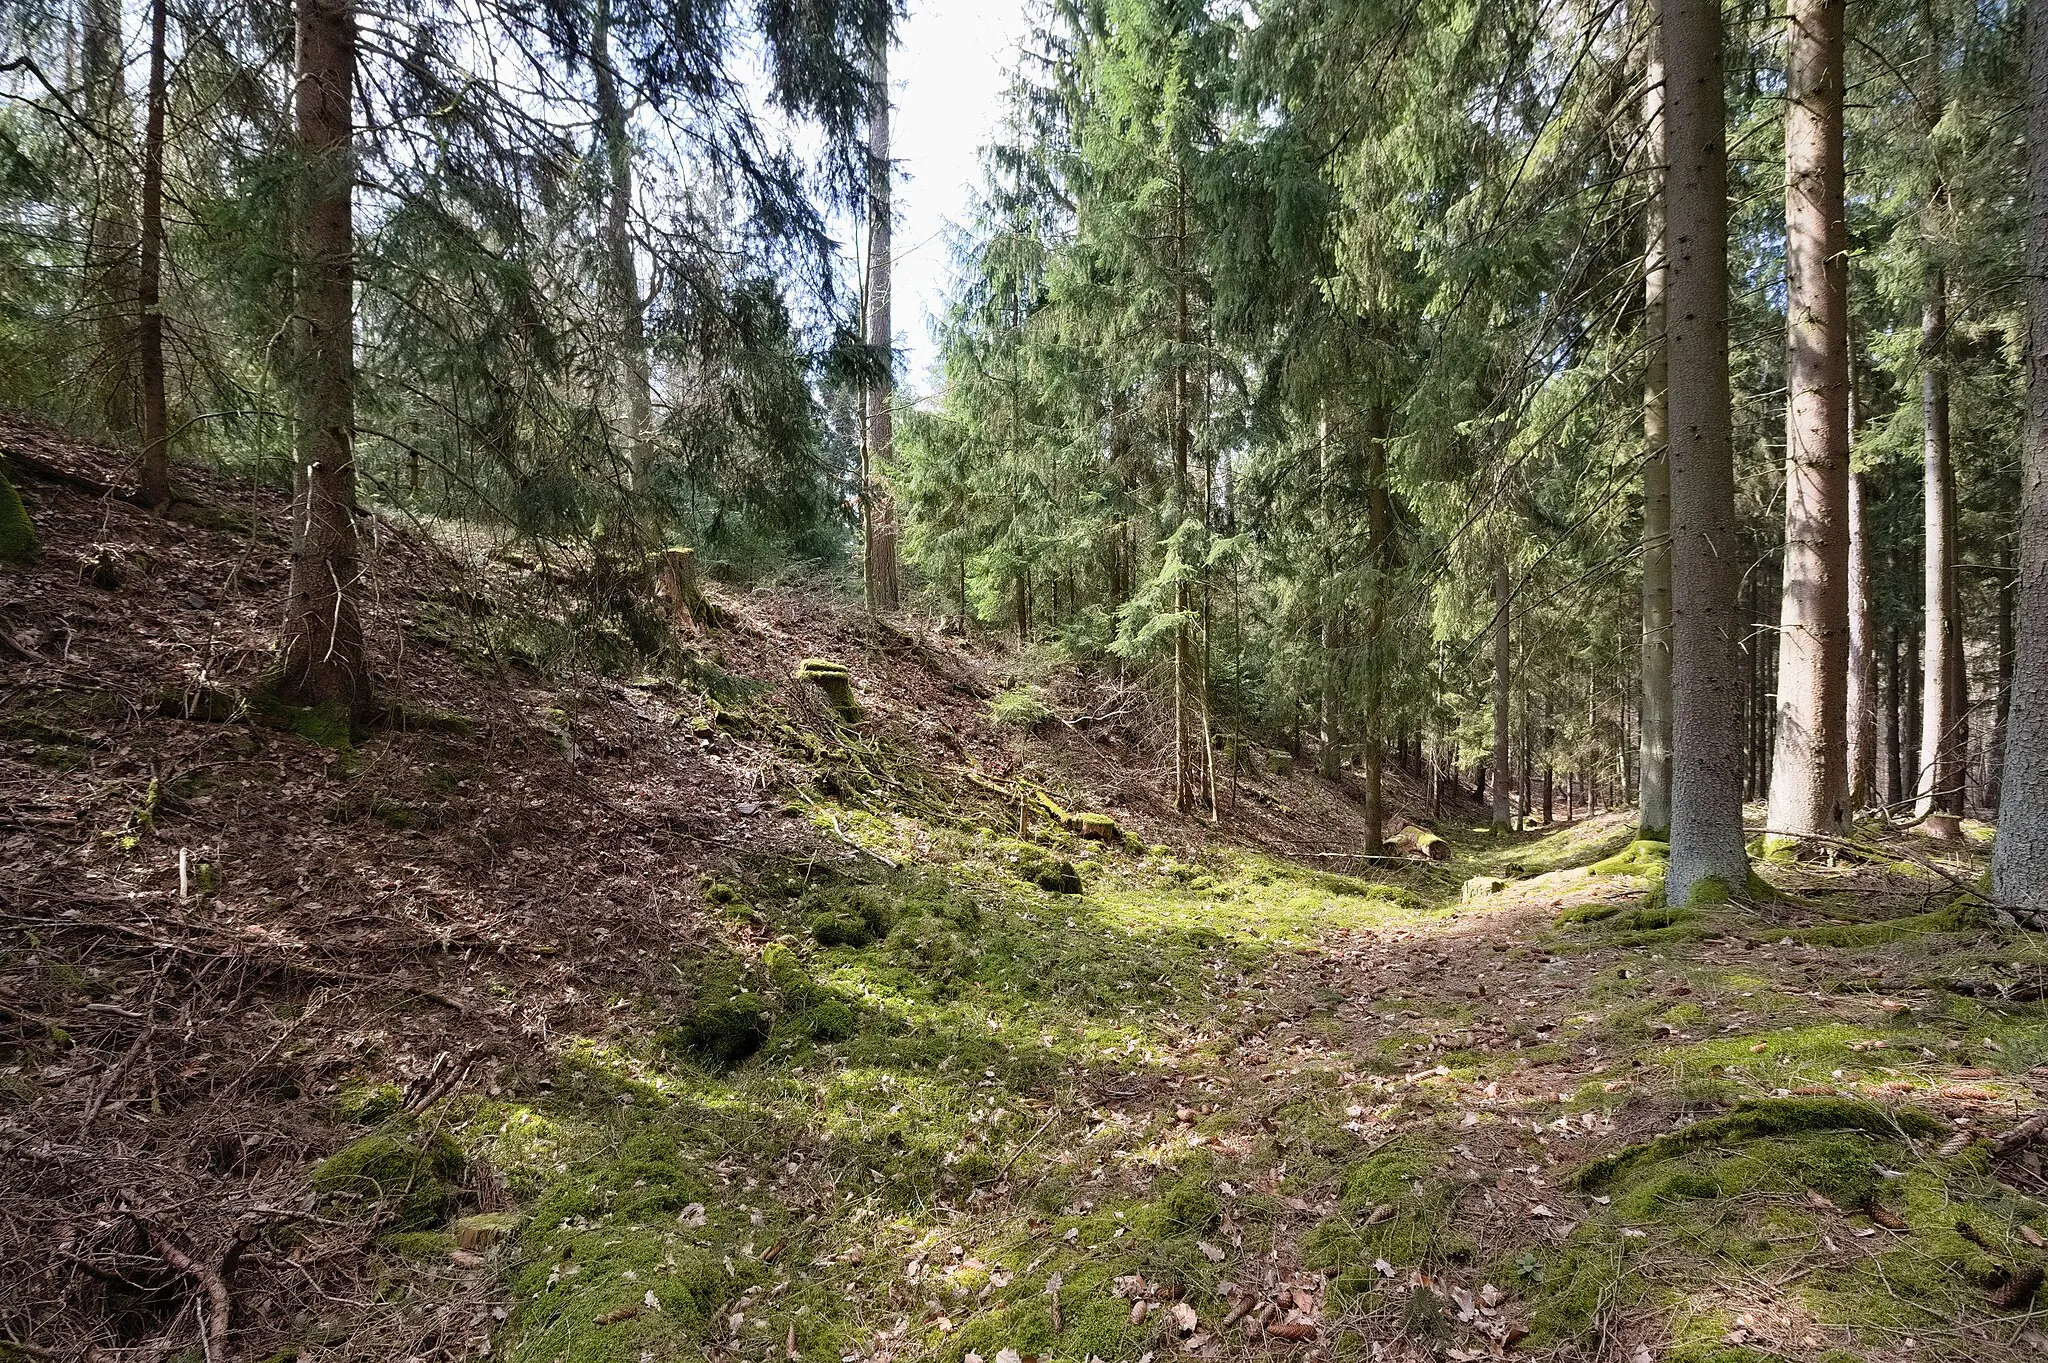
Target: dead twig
<point>113,1079</point>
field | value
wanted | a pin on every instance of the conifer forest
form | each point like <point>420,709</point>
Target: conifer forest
<point>1410,725</point>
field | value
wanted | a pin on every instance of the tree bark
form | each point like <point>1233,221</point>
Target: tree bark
<point>1654,807</point>
<point>155,487</point>
<point>1808,785</point>
<point>2019,858</point>
<point>110,247</point>
<point>1862,699</point>
<point>1707,853</point>
<point>884,572</point>
<point>322,655</point>
<point>1894,699</point>
<point>1994,754</point>
<point>1503,593</point>
<point>1379,524</point>
<point>1328,751</point>
<point>623,283</point>
<point>1939,790</point>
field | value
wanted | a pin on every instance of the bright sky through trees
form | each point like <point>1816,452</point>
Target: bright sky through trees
<point>950,66</point>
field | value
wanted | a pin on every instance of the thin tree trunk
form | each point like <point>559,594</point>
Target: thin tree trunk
<point>2019,857</point>
<point>1379,524</point>
<point>884,572</point>
<point>1707,853</point>
<point>1888,731</point>
<point>321,650</point>
<point>1862,698</point>
<point>1328,749</point>
<point>1807,792</point>
<point>155,489</point>
<point>636,375</point>
<point>1940,768</point>
<point>1654,810</point>
<point>110,255</point>
<point>1503,591</point>
<point>1182,437</point>
<point>1994,757</point>
<point>1909,719</point>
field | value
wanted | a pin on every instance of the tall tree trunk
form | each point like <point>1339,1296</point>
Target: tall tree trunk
<point>1379,522</point>
<point>1994,754</point>
<point>2019,858</point>
<point>1808,785</point>
<point>1654,816</point>
<point>1861,710</point>
<point>1707,853</point>
<point>1894,781</point>
<point>884,573</point>
<point>1184,685</point>
<point>1329,750</point>
<point>322,656</point>
<point>1909,720</point>
<point>110,254</point>
<point>155,487</point>
<point>1503,593</point>
<point>1940,767</point>
<point>623,283</point>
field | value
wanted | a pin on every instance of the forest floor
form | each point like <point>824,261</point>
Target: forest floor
<point>592,1009</point>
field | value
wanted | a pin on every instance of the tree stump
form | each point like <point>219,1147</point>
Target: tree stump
<point>835,681</point>
<point>675,581</point>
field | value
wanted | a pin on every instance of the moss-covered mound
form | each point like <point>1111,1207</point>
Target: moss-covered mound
<point>17,532</point>
<point>407,1184</point>
<point>1054,875</point>
<point>1640,858</point>
<point>1754,1120</point>
<point>851,915</point>
<point>724,1029</point>
<point>1886,1231</point>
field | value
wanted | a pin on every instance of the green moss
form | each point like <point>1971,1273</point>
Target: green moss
<point>850,915</point>
<point>411,1185</point>
<point>721,1032</point>
<point>1715,1353</point>
<point>361,1100</point>
<point>1648,1199</point>
<point>1708,892</point>
<point>1588,913</point>
<point>1757,1119</point>
<point>1959,916</point>
<point>1051,874</point>
<point>418,1244</point>
<point>835,681</point>
<point>1186,1206</point>
<point>1388,1176</point>
<point>330,725</point>
<point>1020,707</point>
<point>1570,1290</point>
<point>17,531</point>
<point>1643,857</point>
<point>831,1019</point>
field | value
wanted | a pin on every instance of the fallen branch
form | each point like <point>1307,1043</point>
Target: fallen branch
<point>216,1336</point>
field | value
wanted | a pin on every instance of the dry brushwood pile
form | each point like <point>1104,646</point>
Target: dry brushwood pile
<point>815,988</point>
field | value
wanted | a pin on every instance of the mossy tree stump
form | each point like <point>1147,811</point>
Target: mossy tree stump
<point>835,681</point>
